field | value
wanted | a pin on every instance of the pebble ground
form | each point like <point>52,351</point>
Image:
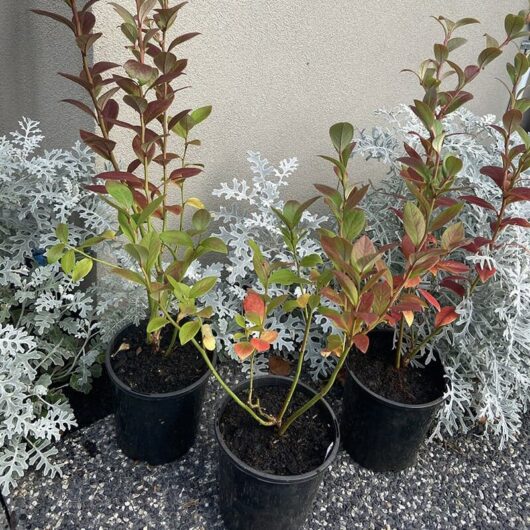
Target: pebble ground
<point>462,484</point>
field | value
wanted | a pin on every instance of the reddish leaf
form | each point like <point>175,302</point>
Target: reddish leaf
<point>471,71</point>
<point>176,209</point>
<point>361,342</point>
<point>446,316</point>
<point>88,21</point>
<point>178,117</point>
<point>485,272</point>
<point>99,145</point>
<point>517,221</point>
<point>476,244</point>
<point>80,105</point>
<point>244,350</point>
<point>182,38</point>
<point>453,286</point>
<point>454,267</point>
<point>96,188</point>
<point>103,66</point>
<point>445,201</point>
<point>269,336</point>
<point>519,194</point>
<point>472,199</point>
<point>260,345</point>
<point>430,298</point>
<point>56,17</point>
<point>279,366</point>
<point>110,113</point>
<point>134,165</point>
<point>80,81</point>
<point>253,303</point>
<point>497,174</point>
<point>156,108</point>
<point>184,173</point>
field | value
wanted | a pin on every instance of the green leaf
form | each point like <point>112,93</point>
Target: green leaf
<point>120,192</point>
<point>286,277</point>
<point>424,113</point>
<point>124,14</point>
<point>68,261</point>
<point>138,252</point>
<point>354,222</point>
<point>513,24</point>
<point>453,236</point>
<point>62,233</point>
<point>445,216</point>
<point>200,114</point>
<point>201,220</point>
<point>126,227</point>
<point>149,210</point>
<point>176,237</point>
<point>203,286</point>
<point>129,275</point>
<point>82,269</point>
<point>259,261</point>
<point>414,223</point>
<point>55,253</point>
<point>156,323</point>
<point>341,135</point>
<point>311,260</point>
<point>188,331</point>
<point>452,166</point>
<point>214,244</point>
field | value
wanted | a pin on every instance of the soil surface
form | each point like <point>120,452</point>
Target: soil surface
<point>410,385</point>
<point>154,372</point>
<point>301,449</point>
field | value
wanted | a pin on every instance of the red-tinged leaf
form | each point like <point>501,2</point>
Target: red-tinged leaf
<point>412,282</point>
<point>471,71</point>
<point>477,244</point>
<point>88,5</point>
<point>120,176</point>
<point>260,345</point>
<point>453,286</point>
<point>184,173</point>
<point>99,145</point>
<point>181,39</point>
<point>244,350</point>
<point>365,304</point>
<point>80,105</point>
<point>110,113</point>
<point>85,43</point>
<point>361,342</point>
<point>253,303</point>
<point>87,21</point>
<point>485,272</point>
<point>328,191</point>
<point>332,295</point>
<point>447,315</point>
<point>140,72</point>
<point>96,188</point>
<point>445,202</point>
<point>269,336</point>
<point>497,174</point>
<point>157,108</point>
<point>177,118</point>
<point>430,298</point>
<point>398,213</point>
<point>80,81</point>
<point>56,17</point>
<point>102,67</point>
<point>407,246</point>
<point>367,317</point>
<point>519,194</point>
<point>175,209</point>
<point>279,366</point>
<point>411,151</point>
<point>516,221</point>
<point>134,165</point>
<point>454,267</point>
<point>472,199</point>
<point>356,196</point>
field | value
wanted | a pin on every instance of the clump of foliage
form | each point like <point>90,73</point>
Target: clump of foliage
<point>149,83</point>
<point>49,336</point>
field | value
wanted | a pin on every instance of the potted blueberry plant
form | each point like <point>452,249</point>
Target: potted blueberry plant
<point>390,401</point>
<point>159,383</point>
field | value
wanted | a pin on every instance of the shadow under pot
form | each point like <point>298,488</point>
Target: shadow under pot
<point>158,396</point>
<point>269,482</point>
<point>387,413</point>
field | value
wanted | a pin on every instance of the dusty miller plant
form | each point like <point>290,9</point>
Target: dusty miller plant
<point>487,352</point>
<point>48,329</point>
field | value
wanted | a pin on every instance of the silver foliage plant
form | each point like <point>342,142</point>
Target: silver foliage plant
<point>487,353</point>
<point>49,335</point>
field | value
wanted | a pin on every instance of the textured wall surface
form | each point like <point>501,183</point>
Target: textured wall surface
<point>277,72</point>
<point>32,51</point>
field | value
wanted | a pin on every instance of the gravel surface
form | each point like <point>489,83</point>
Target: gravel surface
<point>466,483</point>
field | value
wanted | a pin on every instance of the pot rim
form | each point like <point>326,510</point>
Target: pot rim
<point>397,404</point>
<point>269,477</point>
<point>140,395</point>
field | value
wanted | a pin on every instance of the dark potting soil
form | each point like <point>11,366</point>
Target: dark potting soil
<point>301,449</point>
<point>410,385</point>
<point>148,371</point>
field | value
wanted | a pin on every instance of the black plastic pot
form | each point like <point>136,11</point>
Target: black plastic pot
<point>155,428</point>
<point>253,500</point>
<point>381,434</point>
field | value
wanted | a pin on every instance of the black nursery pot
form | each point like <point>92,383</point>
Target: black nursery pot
<point>381,434</point>
<point>155,428</point>
<point>253,500</point>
